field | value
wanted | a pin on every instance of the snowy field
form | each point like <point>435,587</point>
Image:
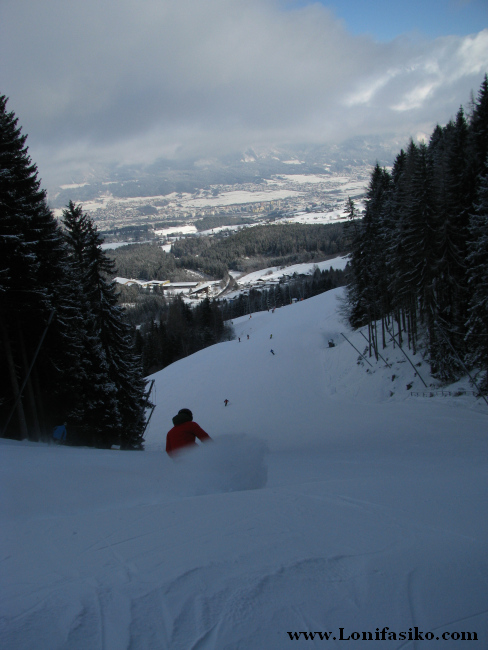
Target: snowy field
<point>275,273</point>
<point>235,197</point>
<point>332,501</point>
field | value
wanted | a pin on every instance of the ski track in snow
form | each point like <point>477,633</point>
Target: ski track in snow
<point>331,497</point>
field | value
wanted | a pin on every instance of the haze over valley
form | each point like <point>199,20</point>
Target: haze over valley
<point>250,186</point>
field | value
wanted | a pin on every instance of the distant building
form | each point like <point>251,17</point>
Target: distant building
<point>145,284</point>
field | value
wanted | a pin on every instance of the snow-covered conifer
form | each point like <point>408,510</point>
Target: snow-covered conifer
<point>120,413</point>
<point>31,264</point>
<point>477,335</point>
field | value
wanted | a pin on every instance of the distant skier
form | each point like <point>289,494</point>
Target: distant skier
<point>272,352</point>
<point>239,339</point>
<point>248,337</point>
<point>60,433</point>
<point>184,432</point>
<point>226,401</point>
<point>270,336</point>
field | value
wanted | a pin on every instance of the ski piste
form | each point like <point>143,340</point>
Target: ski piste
<point>325,502</point>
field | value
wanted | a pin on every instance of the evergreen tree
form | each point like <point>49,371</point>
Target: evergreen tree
<point>420,244</point>
<point>392,236</point>
<point>431,226</point>
<point>31,265</point>
<point>354,288</point>
<point>478,135</point>
<point>477,335</point>
<point>115,412</point>
<point>452,204</point>
<point>367,258</point>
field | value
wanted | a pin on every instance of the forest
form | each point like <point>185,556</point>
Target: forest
<point>67,349</point>
<point>147,262</point>
<point>278,244</point>
<point>245,250</point>
<point>419,260</point>
<point>175,330</point>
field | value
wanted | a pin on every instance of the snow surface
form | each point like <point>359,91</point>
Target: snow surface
<point>315,178</point>
<point>236,197</point>
<point>331,498</point>
<point>274,273</point>
<point>185,230</point>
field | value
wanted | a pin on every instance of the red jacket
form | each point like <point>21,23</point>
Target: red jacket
<point>183,435</point>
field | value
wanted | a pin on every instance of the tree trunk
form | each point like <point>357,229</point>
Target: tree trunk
<point>35,432</point>
<point>22,432</point>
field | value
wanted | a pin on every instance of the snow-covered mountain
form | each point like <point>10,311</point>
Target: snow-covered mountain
<point>333,500</point>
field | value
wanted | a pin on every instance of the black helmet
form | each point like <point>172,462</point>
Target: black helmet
<point>186,412</point>
<point>184,415</point>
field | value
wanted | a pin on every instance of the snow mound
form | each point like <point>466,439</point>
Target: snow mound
<point>231,463</point>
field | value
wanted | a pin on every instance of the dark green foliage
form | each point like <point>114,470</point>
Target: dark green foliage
<point>145,262</point>
<point>478,132</point>
<point>143,305</point>
<point>246,249</point>
<point>128,233</point>
<point>418,256</point>
<point>367,266</point>
<point>66,351</point>
<point>31,264</point>
<point>112,410</point>
<point>477,324</point>
<point>179,331</point>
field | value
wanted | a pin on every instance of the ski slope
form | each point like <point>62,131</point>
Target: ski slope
<point>331,501</point>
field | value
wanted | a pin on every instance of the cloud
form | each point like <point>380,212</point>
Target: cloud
<point>127,80</point>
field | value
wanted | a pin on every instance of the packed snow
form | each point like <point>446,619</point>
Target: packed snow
<point>335,498</point>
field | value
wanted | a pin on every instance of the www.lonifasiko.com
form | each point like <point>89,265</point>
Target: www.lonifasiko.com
<point>385,634</point>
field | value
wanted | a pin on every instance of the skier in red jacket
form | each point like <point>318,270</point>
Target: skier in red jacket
<point>184,432</point>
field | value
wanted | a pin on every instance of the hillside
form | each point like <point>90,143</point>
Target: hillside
<point>332,500</point>
<point>243,250</point>
<point>303,392</point>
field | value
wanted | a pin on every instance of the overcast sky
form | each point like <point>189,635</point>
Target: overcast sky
<point>123,81</point>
